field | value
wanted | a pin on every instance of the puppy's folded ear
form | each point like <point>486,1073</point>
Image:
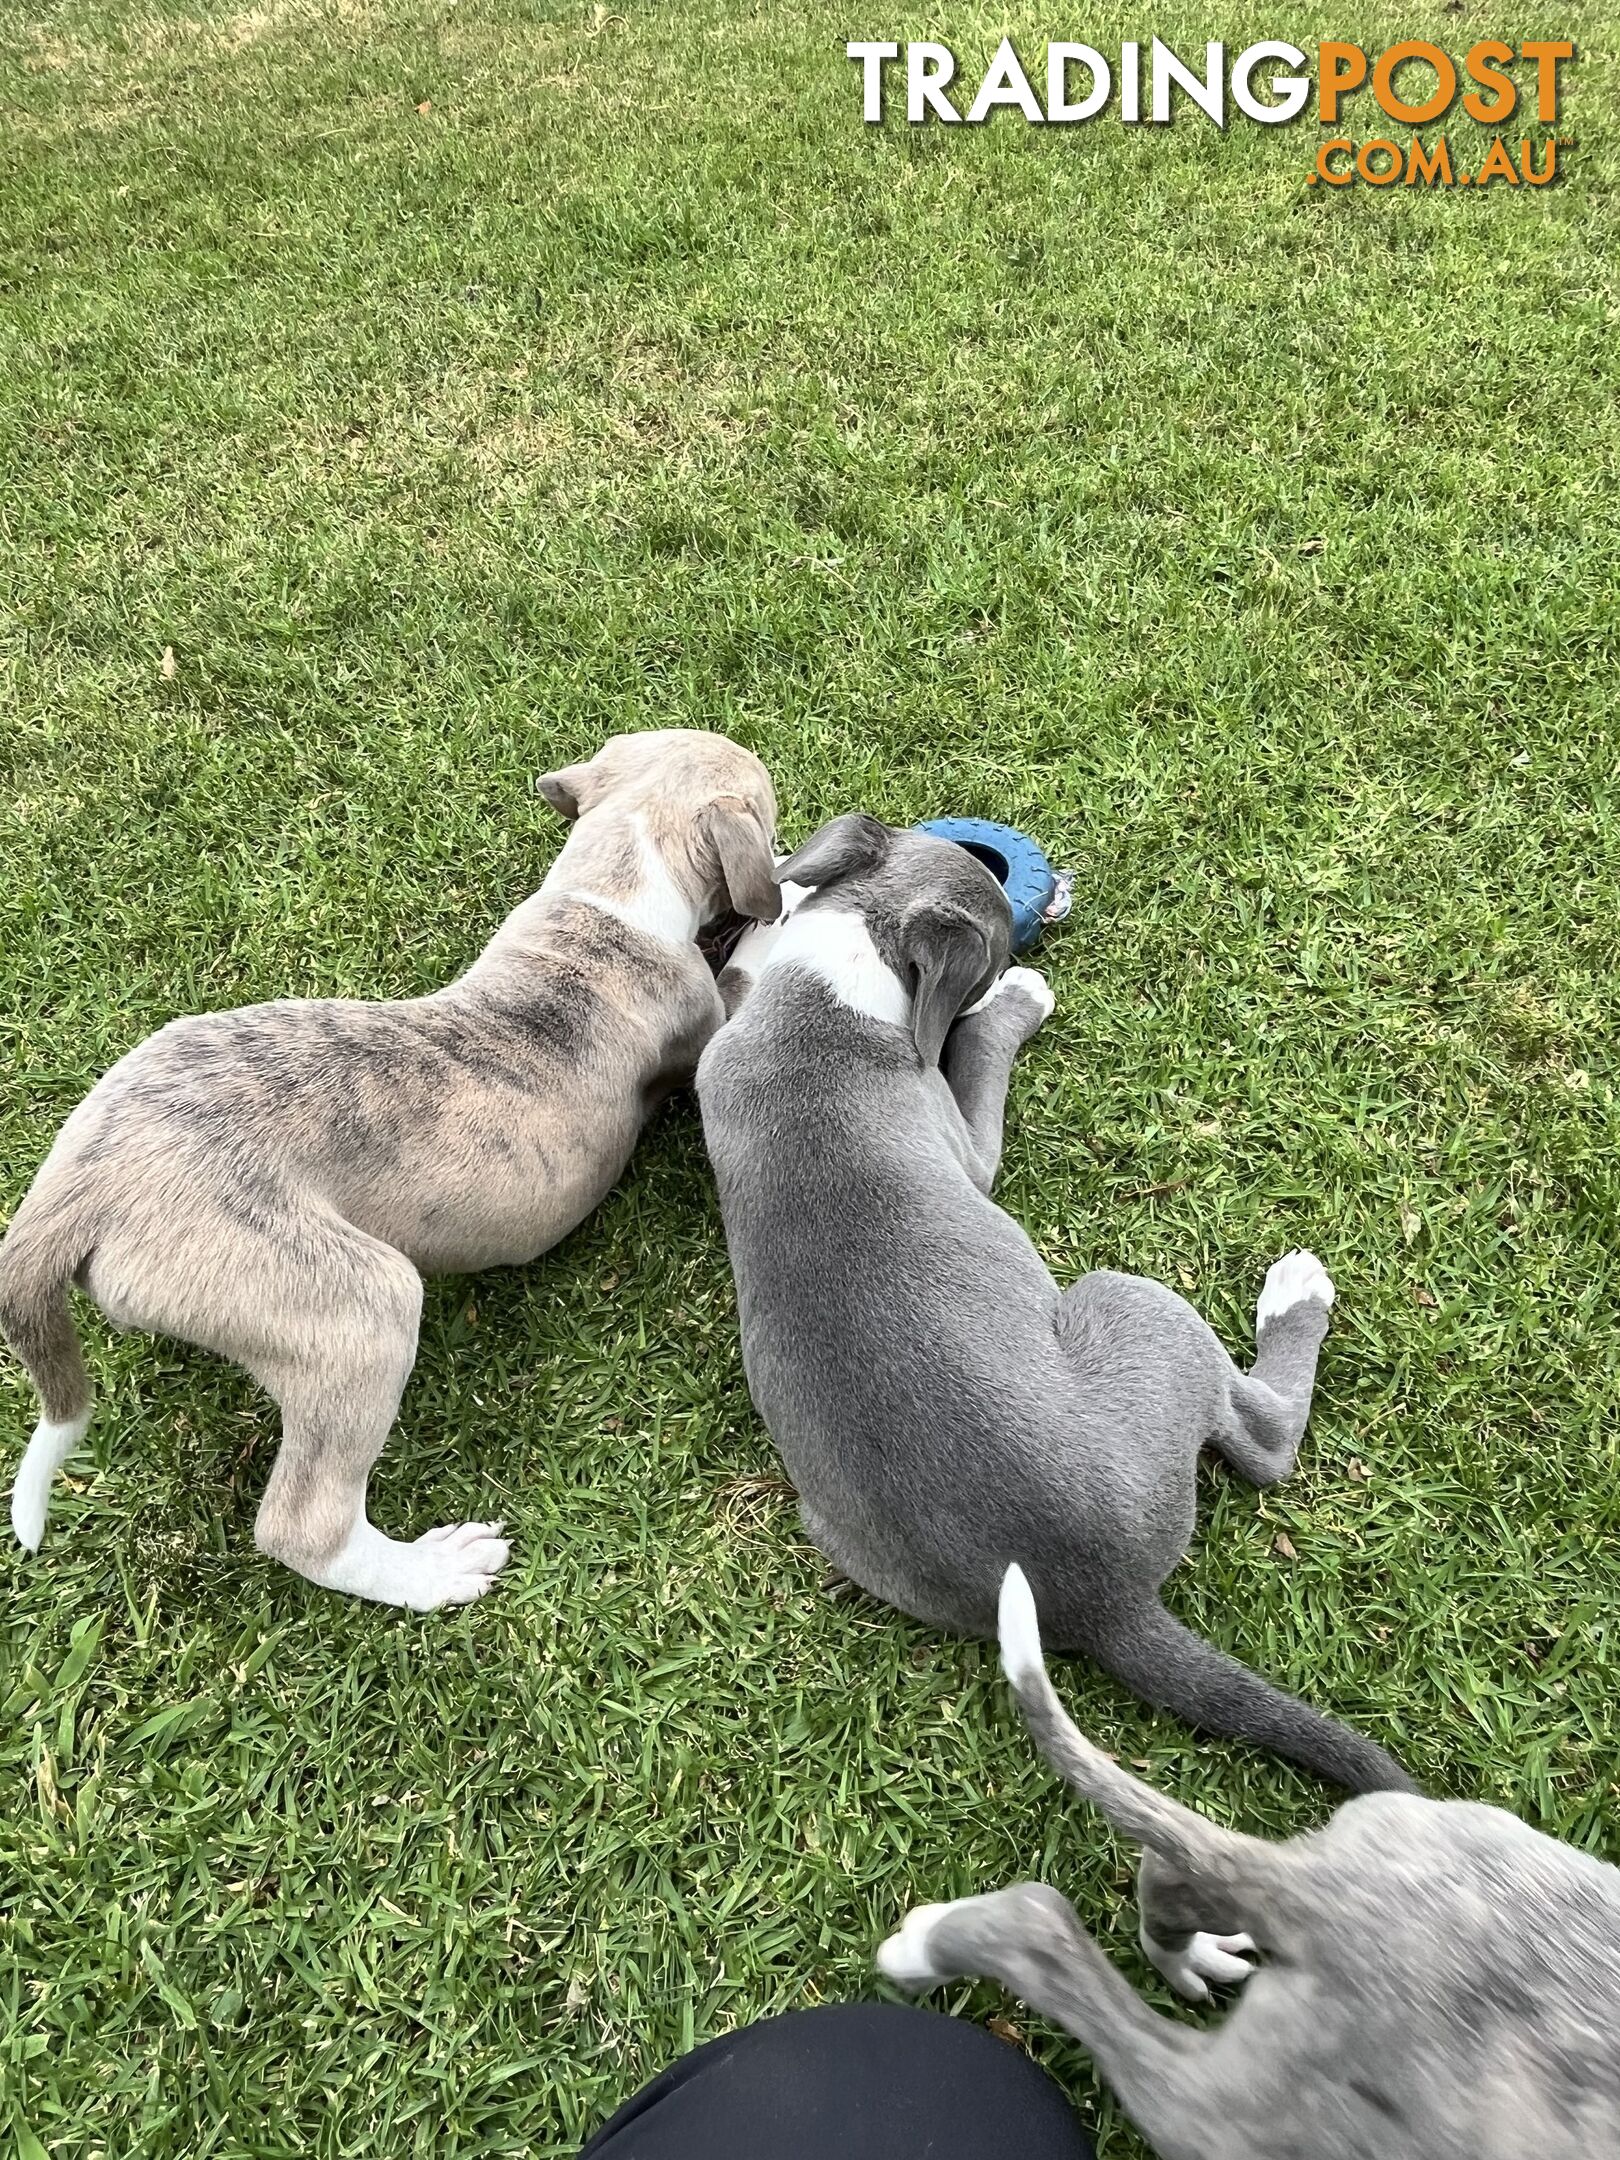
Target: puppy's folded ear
<point>849,844</point>
<point>948,954</point>
<point>747,866</point>
<point>562,788</point>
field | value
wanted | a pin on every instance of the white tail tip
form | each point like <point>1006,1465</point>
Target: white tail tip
<point>49,1448</point>
<point>1020,1629</point>
<point>28,1510</point>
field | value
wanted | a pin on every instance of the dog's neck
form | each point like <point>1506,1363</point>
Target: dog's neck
<point>610,862</point>
<point>836,945</point>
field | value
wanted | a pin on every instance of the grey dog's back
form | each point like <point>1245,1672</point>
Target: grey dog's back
<point>844,1265</point>
<point>1466,1953</point>
<point>1440,1982</point>
<point>957,1408</point>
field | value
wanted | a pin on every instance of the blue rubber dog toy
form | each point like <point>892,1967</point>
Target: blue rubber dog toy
<point>1038,894</point>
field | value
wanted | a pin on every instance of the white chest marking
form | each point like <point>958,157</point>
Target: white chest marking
<point>837,946</point>
<point>758,941</point>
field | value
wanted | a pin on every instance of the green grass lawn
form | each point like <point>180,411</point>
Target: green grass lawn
<point>448,387</point>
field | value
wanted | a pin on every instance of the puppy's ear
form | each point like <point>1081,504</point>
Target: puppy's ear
<point>849,844</point>
<point>747,866</point>
<point>948,954</point>
<point>562,789</point>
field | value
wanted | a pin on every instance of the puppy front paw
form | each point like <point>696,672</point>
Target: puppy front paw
<point>1031,983</point>
<point>1022,993</point>
<point>905,1958</point>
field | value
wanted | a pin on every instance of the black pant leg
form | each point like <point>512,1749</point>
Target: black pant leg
<point>851,2081</point>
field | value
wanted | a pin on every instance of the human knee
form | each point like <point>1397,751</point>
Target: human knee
<point>867,2079</point>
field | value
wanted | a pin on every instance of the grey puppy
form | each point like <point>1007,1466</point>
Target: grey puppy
<point>272,1183</point>
<point>940,1405</point>
<point>1440,1982</point>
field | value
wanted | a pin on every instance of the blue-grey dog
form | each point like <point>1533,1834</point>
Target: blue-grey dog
<point>1438,1981</point>
<point>941,1406</point>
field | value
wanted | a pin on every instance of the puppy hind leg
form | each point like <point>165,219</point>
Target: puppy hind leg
<point>313,1515</point>
<point>1192,1930</point>
<point>339,1382</point>
<point>1030,1939</point>
<point>1259,1431</point>
<point>1266,1409</point>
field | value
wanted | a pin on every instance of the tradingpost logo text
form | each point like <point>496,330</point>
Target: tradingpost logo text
<point>1412,84</point>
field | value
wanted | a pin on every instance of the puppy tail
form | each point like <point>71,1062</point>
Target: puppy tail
<point>42,1252</point>
<point>1149,1817</point>
<point>1171,1667</point>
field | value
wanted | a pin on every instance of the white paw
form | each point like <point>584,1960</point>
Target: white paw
<point>448,1566</point>
<point>904,1958</point>
<point>1289,1282</point>
<point>1015,979</point>
<point>454,1564</point>
<point>1034,984</point>
<point>1206,1962</point>
<point>1019,1627</point>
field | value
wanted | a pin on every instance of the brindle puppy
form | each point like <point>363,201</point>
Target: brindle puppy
<point>273,1183</point>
